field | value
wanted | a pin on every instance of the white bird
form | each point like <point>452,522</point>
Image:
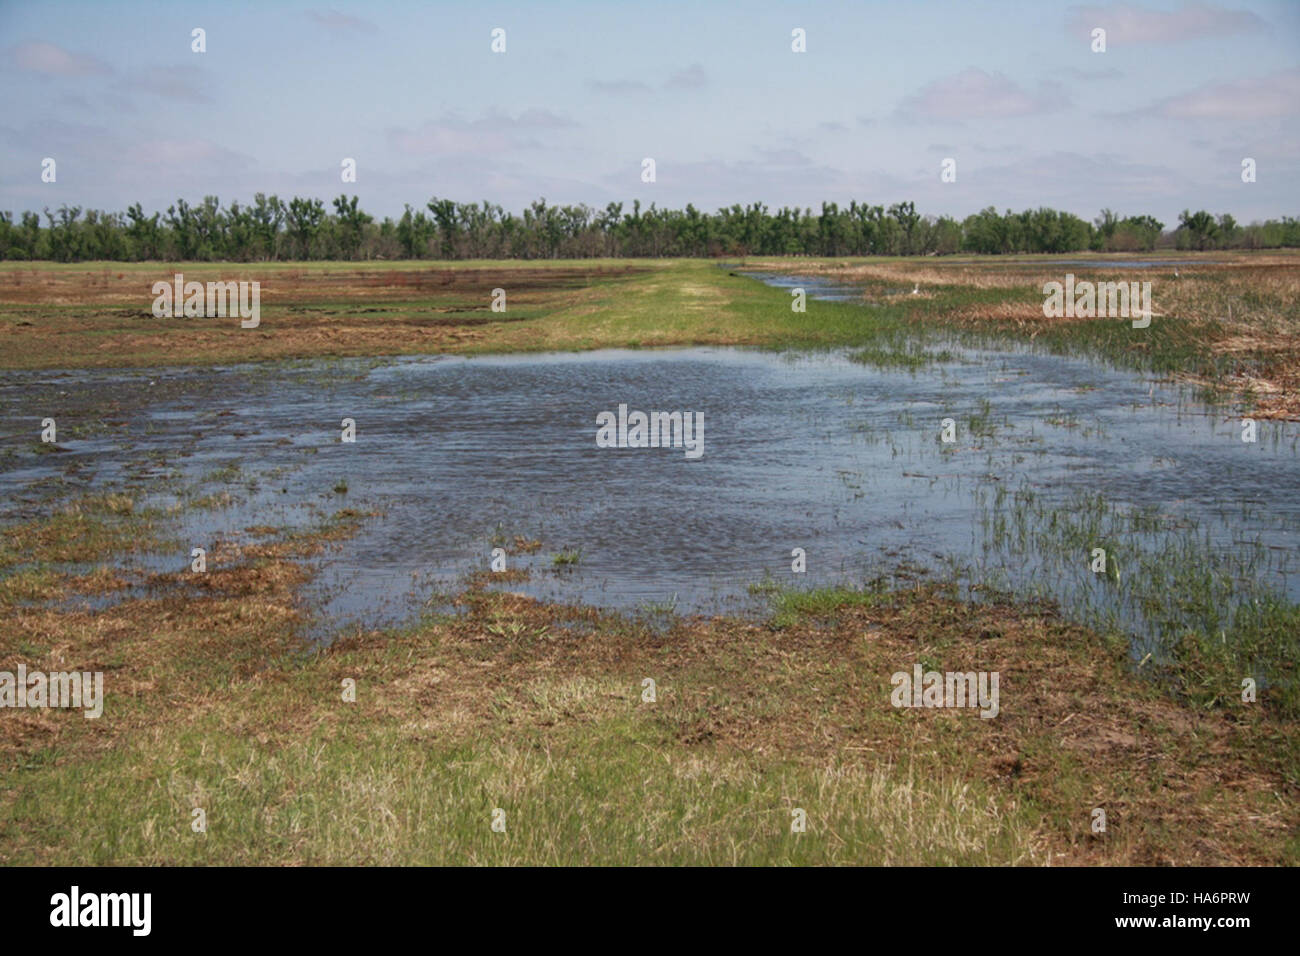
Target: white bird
<point>1175,272</point>
<point>916,288</point>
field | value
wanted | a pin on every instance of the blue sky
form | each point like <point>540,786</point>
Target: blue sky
<point>1011,90</point>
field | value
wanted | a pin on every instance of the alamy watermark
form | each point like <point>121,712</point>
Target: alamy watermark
<point>74,908</point>
<point>654,430</point>
<point>56,689</point>
<point>950,689</point>
<point>194,300</point>
<point>1107,300</point>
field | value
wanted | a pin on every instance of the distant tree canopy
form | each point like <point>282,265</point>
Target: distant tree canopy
<point>271,229</point>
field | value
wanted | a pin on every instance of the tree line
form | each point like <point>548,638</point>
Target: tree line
<point>271,229</point>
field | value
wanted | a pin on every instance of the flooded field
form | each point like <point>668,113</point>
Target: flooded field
<point>918,471</point>
<point>454,457</point>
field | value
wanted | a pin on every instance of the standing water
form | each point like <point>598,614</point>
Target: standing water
<point>1052,457</point>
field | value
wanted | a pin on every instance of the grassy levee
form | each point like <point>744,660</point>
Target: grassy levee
<point>214,702</point>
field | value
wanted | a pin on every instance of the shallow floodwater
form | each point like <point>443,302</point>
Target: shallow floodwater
<point>810,451</point>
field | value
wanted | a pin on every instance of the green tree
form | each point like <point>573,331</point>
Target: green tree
<point>1199,228</point>
<point>303,220</point>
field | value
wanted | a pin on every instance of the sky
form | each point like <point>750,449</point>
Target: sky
<point>584,92</point>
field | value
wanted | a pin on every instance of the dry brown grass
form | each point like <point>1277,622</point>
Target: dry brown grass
<point>84,317</point>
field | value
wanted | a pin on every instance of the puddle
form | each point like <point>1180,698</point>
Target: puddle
<point>816,287</point>
<point>808,450</point>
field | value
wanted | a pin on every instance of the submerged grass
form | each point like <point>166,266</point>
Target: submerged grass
<point>910,356</point>
<point>86,529</point>
<point>1196,607</point>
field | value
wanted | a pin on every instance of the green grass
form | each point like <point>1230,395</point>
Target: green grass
<point>371,795</point>
<point>567,557</point>
<point>1205,617</point>
<point>789,606</point>
<point>910,356</point>
<point>83,530</point>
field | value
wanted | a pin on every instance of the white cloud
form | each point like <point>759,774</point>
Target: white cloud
<point>55,61</point>
<point>783,157</point>
<point>190,155</point>
<point>617,87</point>
<point>1075,73</point>
<point>974,94</point>
<point>1251,99</point>
<point>691,78</point>
<point>1126,23</point>
<point>492,134</point>
<point>185,83</point>
<point>341,22</point>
